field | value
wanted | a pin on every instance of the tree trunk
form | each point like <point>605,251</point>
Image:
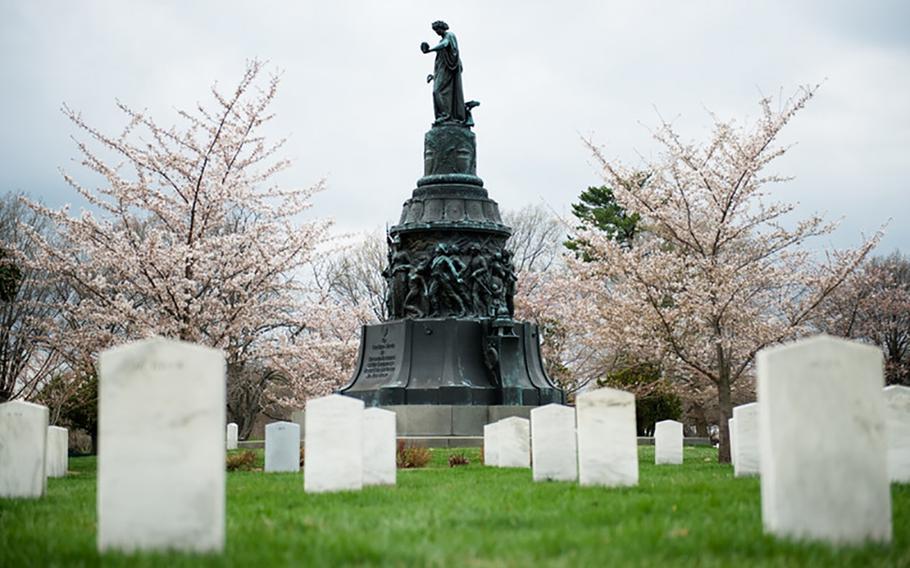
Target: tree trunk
<point>700,420</point>
<point>725,406</point>
<point>244,397</point>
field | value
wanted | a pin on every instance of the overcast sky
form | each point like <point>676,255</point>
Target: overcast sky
<point>355,104</point>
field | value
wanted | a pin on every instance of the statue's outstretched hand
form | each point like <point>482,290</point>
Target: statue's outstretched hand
<point>425,47</point>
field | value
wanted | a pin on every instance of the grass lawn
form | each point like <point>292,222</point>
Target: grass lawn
<point>695,514</point>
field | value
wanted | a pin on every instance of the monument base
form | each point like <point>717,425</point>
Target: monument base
<point>442,420</point>
<point>454,426</point>
<point>451,361</point>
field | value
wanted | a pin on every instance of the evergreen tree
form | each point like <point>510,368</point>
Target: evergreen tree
<point>597,208</point>
<point>10,277</point>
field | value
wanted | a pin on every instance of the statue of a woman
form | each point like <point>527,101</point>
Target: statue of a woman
<point>448,96</point>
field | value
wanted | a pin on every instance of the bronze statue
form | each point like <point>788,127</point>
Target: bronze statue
<point>446,284</point>
<point>448,96</point>
<point>415,303</point>
<point>478,277</point>
<point>398,271</point>
<point>449,338</point>
<point>498,283</point>
<point>510,280</point>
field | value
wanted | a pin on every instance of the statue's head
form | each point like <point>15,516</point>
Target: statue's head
<point>474,249</point>
<point>440,27</point>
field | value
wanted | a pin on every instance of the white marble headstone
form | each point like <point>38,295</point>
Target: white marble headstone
<point>514,436</point>
<point>379,438</point>
<point>607,440</point>
<point>231,436</point>
<point>732,434</point>
<point>668,442</point>
<point>23,444</point>
<point>745,427</point>
<point>334,444</point>
<point>553,443</point>
<point>490,445</point>
<point>823,448</point>
<point>57,456</point>
<point>161,472</point>
<point>897,405</point>
<point>282,447</point>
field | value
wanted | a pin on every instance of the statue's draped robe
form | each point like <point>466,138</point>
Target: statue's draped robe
<point>448,97</point>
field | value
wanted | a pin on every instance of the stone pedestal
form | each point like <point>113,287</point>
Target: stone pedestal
<point>444,420</point>
<point>448,361</point>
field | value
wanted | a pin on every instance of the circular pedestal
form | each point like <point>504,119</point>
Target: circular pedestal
<point>451,361</point>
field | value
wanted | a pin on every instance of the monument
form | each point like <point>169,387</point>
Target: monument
<point>450,337</point>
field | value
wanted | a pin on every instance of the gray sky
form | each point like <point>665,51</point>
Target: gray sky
<point>355,104</point>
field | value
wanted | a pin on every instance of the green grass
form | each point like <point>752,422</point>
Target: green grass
<point>691,515</point>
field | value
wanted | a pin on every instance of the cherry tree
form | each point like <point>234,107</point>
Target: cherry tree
<point>538,246</point>
<point>717,274</point>
<point>561,306</point>
<point>27,364</point>
<point>187,236</point>
<point>874,305</point>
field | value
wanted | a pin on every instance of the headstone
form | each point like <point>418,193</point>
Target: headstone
<point>732,435</point>
<point>607,440</point>
<point>823,448</point>
<point>553,444</point>
<point>161,472</point>
<point>745,427</point>
<point>23,444</point>
<point>514,442</point>
<point>231,436</point>
<point>668,442</point>
<point>490,445</point>
<point>334,444</point>
<point>282,447</point>
<point>897,428</point>
<point>379,467</point>
<point>57,457</point>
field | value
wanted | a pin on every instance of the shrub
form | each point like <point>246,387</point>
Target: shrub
<point>301,456</point>
<point>458,459</point>
<point>241,461</point>
<point>654,407</point>
<point>655,399</point>
<point>411,456</point>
